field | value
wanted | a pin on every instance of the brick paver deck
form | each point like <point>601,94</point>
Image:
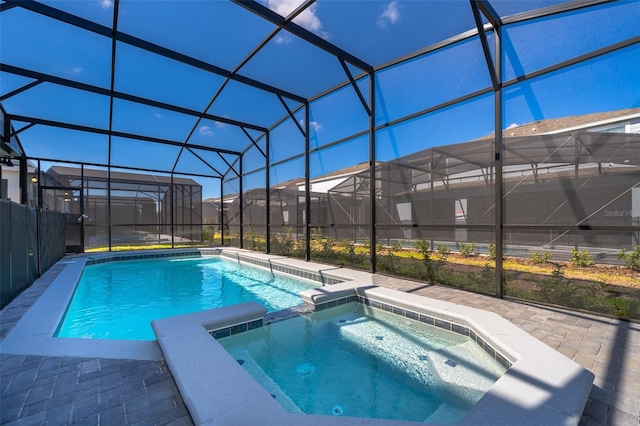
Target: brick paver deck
<point>38,390</point>
<point>65,390</point>
<point>610,348</point>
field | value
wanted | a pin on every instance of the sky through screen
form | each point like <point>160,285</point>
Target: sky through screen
<point>224,34</point>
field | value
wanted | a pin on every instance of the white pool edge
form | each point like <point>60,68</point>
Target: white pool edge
<point>34,332</point>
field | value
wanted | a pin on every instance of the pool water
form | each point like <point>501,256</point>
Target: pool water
<point>354,360</point>
<point>118,300</point>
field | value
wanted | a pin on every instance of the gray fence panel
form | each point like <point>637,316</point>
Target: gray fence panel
<point>32,244</point>
<point>5,253</point>
<point>52,237</point>
<point>19,251</point>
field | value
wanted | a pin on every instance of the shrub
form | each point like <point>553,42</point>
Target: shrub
<point>250,240</point>
<point>430,269</point>
<point>557,273</point>
<point>467,250</point>
<point>396,245</point>
<point>316,234</point>
<point>492,251</point>
<point>283,244</point>
<point>488,275</point>
<point>558,289</point>
<point>208,234</point>
<point>349,247</point>
<point>631,260</point>
<point>581,259</point>
<point>443,252</point>
<point>422,246</point>
<point>540,257</point>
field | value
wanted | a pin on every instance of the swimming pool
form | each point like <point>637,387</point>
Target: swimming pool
<point>359,361</point>
<point>118,300</point>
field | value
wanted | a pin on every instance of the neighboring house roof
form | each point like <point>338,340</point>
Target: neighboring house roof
<point>525,144</point>
<point>570,123</point>
<point>345,172</point>
<point>120,176</point>
<point>291,183</point>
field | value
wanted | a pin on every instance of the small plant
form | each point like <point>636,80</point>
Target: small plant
<point>631,260</point>
<point>467,250</point>
<point>344,243</point>
<point>492,251</point>
<point>443,252</point>
<point>488,275</point>
<point>581,259</point>
<point>349,247</point>
<point>327,247</point>
<point>621,307</point>
<point>557,273</point>
<point>558,289</point>
<point>210,233</point>
<point>540,257</point>
<point>283,243</point>
<point>422,246</point>
<point>430,268</point>
<point>316,234</point>
<point>396,245</point>
<point>387,261</point>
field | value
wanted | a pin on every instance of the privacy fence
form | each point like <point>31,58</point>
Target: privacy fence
<point>31,241</point>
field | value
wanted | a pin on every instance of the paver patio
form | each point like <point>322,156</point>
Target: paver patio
<point>67,390</point>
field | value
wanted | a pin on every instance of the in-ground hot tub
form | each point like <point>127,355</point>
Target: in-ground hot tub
<point>540,387</point>
<point>359,361</point>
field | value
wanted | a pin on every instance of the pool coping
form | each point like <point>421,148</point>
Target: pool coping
<point>542,386</point>
<point>34,332</point>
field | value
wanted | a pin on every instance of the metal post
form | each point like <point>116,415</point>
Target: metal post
<point>372,174</point>
<point>39,219</point>
<point>24,190</point>
<point>431,202</point>
<point>109,196</point>
<point>221,213</point>
<point>173,207</point>
<point>201,213</point>
<point>82,235</point>
<point>307,190</point>
<point>268,195</point>
<point>241,202</point>
<point>576,183</point>
<point>111,96</point>
<point>498,151</point>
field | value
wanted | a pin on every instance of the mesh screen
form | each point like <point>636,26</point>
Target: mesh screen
<point>52,231</point>
<point>19,242</point>
<point>5,254</point>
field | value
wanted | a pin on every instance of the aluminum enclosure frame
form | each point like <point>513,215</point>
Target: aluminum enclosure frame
<point>494,64</point>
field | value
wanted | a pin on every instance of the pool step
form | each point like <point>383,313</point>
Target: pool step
<point>465,370</point>
<point>447,414</point>
<point>252,367</point>
<point>461,371</point>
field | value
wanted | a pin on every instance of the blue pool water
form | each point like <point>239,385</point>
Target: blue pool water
<point>118,300</point>
<point>358,361</point>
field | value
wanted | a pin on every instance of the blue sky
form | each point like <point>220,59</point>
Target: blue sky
<point>222,33</point>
